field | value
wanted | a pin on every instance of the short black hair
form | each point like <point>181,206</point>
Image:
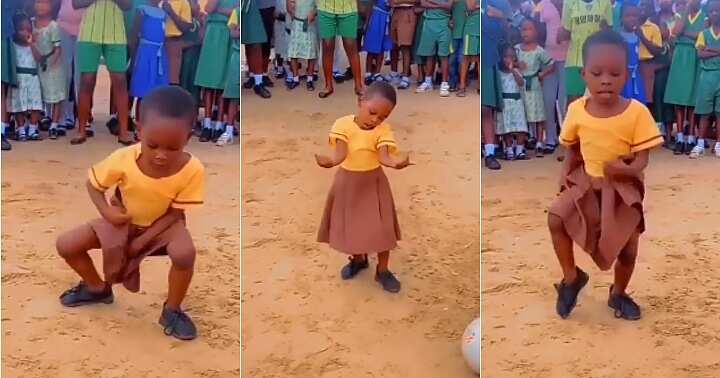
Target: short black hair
<point>604,37</point>
<point>18,19</point>
<point>170,101</point>
<point>383,89</point>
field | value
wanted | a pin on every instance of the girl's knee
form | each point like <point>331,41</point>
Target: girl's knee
<point>66,245</point>
<point>183,257</point>
<point>555,223</point>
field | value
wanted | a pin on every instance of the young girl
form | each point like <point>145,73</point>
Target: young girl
<point>191,52</point>
<point>304,40</point>
<point>253,36</point>
<point>511,122</point>
<point>377,40</point>
<point>150,62</point>
<point>232,80</point>
<point>600,205</point>
<point>664,113</point>
<point>680,90</point>
<point>359,217</point>
<point>48,53</point>
<point>635,85</point>
<point>534,64</point>
<point>27,95</point>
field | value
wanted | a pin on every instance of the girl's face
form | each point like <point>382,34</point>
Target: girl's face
<point>509,57</point>
<point>693,5</point>
<point>528,32</point>
<point>24,31</point>
<point>647,9</point>
<point>666,5</point>
<point>43,8</point>
<point>631,18</point>
<point>714,13</point>
<point>373,111</point>
<point>605,72</point>
<point>680,6</point>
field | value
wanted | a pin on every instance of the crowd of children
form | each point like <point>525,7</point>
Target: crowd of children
<point>441,38</point>
<point>532,68</point>
<point>51,51</point>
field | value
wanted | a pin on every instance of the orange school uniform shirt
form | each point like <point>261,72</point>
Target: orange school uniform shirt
<point>146,198</point>
<point>603,140</point>
<point>363,145</point>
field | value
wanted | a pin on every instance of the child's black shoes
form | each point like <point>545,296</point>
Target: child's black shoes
<point>388,281</point>
<point>177,324</point>
<point>568,293</point>
<point>81,295</point>
<point>353,267</point>
<point>624,306</point>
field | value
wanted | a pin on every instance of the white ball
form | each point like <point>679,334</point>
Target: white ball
<point>470,345</point>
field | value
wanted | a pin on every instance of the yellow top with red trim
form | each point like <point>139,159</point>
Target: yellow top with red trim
<point>363,145</point>
<point>146,198</point>
<point>603,140</point>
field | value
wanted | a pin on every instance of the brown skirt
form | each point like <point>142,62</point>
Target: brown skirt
<point>359,214</point>
<point>118,267</point>
<point>601,222</point>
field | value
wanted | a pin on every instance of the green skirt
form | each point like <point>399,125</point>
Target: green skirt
<point>662,112</point>
<point>680,89</point>
<point>489,87</point>
<point>188,68</point>
<point>213,56</point>
<point>232,77</point>
<point>252,29</point>
<point>417,59</point>
<point>9,76</point>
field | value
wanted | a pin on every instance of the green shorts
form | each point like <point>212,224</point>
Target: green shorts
<point>574,83</point>
<point>89,55</point>
<point>471,45</point>
<point>435,38</point>
<point>488,86</point>
<point>333,25</point>
<point>708,93</point>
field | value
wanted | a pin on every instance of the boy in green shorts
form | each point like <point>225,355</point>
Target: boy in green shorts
<point>102,35</point>
<point>339,18</point>
<point>581,18</point>
<point>708,85</point>
<point>471,43</point>
<point>435,40</point>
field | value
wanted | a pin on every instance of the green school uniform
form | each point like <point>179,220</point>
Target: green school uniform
<point>232,77</point>
<point>252,30</point>
<point>215,49</point>
<point>417,59</point>
<point>436,36</point>
<point>708,84</point>
<point>459,16</point>
<point>471,45</point>
<point>190,57</point>
<point>684,69</point>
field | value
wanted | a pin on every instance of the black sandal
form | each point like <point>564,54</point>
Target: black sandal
<point>81,295</point>
<point>388,281</point>
<point>568,293</point>
<point>354,267</point>
<point>624,306</point>
<point>326,93</point>
<point>177,323</point>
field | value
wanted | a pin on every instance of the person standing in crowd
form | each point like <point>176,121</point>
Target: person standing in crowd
<point>9,76</point>
<point>267,12</point>
<point>339,18</point>
<point>178,23</point>
<point>252,35</point>
<point>69,20</point>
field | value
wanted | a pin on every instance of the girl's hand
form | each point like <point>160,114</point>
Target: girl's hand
<point>511,65</point>
<point>324,161</point>
<point>403,162</point>
<point>116,215</point>
<point>522,66</point>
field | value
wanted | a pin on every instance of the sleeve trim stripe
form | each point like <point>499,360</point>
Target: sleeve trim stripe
<point>95,179</point>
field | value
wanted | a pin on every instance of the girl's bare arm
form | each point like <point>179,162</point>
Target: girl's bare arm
<point>161,224</point>
<point>338,156</point>
<point>113,214</point>
<point>388,160</point>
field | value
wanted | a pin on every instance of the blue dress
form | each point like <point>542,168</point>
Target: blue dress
<point>150,66</point>
<point>377,36</point>
<point>635,85</point>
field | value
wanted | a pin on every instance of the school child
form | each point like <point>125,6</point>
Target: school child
<point>26,96</point>
<point>459,17</point>
<point>281,35</point>
<point>470,45</point>
<point>377,40</point>
<point>191,52</point>
<point>684,69</point>
<point>403,22</point>
<point>435,41</point>
<point>157,181</point>
<point>651,45</point>
<point>581,18</point>
<point>214,53</point>
<point>232,81</point>
<point>600,205</point>
<point>102,35</point>
<point>179,21</point>
<point>303,42</point>
<point>708,87</point>
<point>663,113</point>
<point>511,123</point>
<point>8,69</point>
<point>252,35</point>
<point>49,57</point>
<point>635,85</point>
<point>362,144</point>
<point>418,60</point>
<point>534,64</point>
<point>150,56</point>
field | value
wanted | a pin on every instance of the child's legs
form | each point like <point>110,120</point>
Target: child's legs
<point>351,49</point>
<point>369,63</point>
<point>521,138</point>
<point>680,118</point>
<point>691,120</point>
<point>87,87</point>
<point>182,255</point>
<point>57,110</point>
<point>508,139</point>
<point>487,117</point>
<point>563,245</point>
<point>120,93</point>
<point>137,109</point>
<point>254,56</point>
<point>34,117</point>
<point>73,247</point>
<point>540,133</point>
<point>3,106</point>
<point>444,63</point>
<point>406,59</point>
<point>456,58</point>
<point>464,64</point>
<point>429,65</point>
<point>220,102</point>
<point>704,125</point>
<point>208,101</point>
<point>310,70</point>
<point>394,57</point>
<point>295,64</point>
<point>19,120</point>
<point>383,260</point>
<point>625,264</point>
<point>328,55</point>
<point>233,106</point>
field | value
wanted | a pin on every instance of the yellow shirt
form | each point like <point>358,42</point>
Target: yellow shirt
<point>145,198</point>
<point>363,145</point>
<point>603,140</point>
<point>234,19</point>
<point>700,43</point>
<point>182,9</point>
<point>652,33</point>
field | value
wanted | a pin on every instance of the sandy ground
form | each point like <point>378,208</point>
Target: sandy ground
<point>676,281</point>
<point>299,318</point>
<point>43,193</point>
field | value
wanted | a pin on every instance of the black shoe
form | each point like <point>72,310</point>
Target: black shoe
<point>338,77</point>
<point>261,91</point>
<point>267,82</point>
<point>388,281</point>
<point>216,134</point>
<point>688,148</point>
<point>45,124</point>
<point>53,133</point>
<point>81,295</point>
<point>69,124</point>
<point>368,80</point>
<point>353,267</point>
<point>348,74</point>
<point>249,83</point>
<point>90,133</point>
<point>624,306</point>
<point>492,163</point>
<point>113,126</point>
<point>6,146</point>
<point>206,135</point>
<point>177,324</point>
<point>61,132</point>
<point>292,84</point>
<point>679,148</point>
<point>311,86</point>
<point>568,293</point>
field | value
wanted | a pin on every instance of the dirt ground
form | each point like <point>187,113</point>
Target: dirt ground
<point>676,280</point>
<point>43,193</point>
<point>299,318</point>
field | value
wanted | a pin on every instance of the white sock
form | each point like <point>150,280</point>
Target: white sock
<point>229,129</point>
<point>21,130</point>
<point>289,76</point>
<point>207,123</point>
<point>296,79</point>
<point>53,126</point>
<point>32,129</point>
<point>394,74</point>
<point>219,125</point>
<point>701,143</point>
<point>717,145</point>
<point>489,149</point>
<point>309,78</point>
<point>367,74</point>
<point>691,139</point>
<point>519,149</point>
<point>428,80</point>
<point>444,84</point>
<point>3,125</point>
<point>679,138</point>
<point>258,79</point>
<point>113,116</point>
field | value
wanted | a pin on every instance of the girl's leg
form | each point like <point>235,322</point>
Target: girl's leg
<point>328,55</point>
<point>3,106</point>
<point>383,260</point>
<point>182,256</point>
<point>394,59</point>
<point>406,59</point>
<point>311,67</point>
<point>119,90</point>
<point>369,60</point>
<point>295,67</point>
<point>563,245</point>
<point>87,87</point>
<point>351,49</point>
<point>463,76</point>
<point>73,247</point>
<point>445,68</point>
<point>625,265</point>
